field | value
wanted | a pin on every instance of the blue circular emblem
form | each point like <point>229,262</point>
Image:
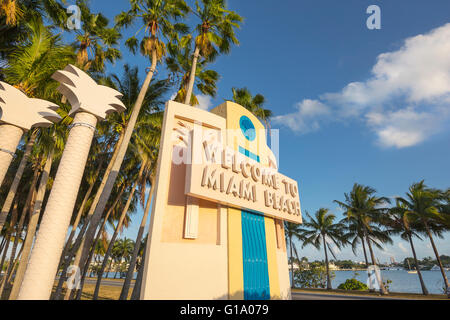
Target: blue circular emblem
<point>247,127</point>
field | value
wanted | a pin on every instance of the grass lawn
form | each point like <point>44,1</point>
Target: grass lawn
<point>106,292</point>
<point>396,295</point>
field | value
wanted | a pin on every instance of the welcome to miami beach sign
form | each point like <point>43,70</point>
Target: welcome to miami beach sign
<point>217,222</point>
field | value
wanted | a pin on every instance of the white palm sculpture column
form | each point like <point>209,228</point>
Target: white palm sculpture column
<point>90,102</point>
<point>18,114</point>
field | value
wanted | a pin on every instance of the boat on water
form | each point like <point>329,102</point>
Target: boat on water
<point>409,269</point>
<point>435,268</point>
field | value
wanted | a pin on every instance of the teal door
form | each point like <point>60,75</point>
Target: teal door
<point>254,253</point>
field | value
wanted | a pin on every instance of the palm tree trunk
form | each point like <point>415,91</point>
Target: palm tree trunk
<point>135,295</point>
<point>130,272</point>
<point>8,236</point>
<point>41,271</point>
<point>96,217</point>
<point>2,245</point>
<point>372,255</point>
<point>32,225</point>
<point>69,292</point>
<point>5,253</point>
<point>29,202</point>
<point>116,232</point>
<point>436,253</point>
<point>18,176</point>
<point>364,250</point>
<point>70,252</point>
<point>97,238</point>
<point>422,283</point>
<point>292,261</point>
<point>326,263</point>
<point>191,82</point>
<point>11,136</point>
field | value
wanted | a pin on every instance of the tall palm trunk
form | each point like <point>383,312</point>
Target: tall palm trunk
<point>436,253</point>
<point>422,283</point>
<point>32,225</point>
<point>292,261</point>
<point>70,252</point>
<point>130,272</point>
<point>8,235</point>
<point>17,177</point>
<point>29,202</point>
<point>39,277</point>
<point>364,250</point>
<point>95,220</point>
<point>2,245</point>
<point>191,82</point>
<point>61,281</point>
<point>383,290</point>
<point>97,238</point>
<point>116,232</point>
<point>5,253</point>
<point>11,136</point>
<point>326,263</point>
<point>135,295</point>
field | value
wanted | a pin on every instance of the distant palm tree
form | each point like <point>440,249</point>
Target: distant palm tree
<point>423,203</point>
<point>293,231</point>
<point>215,35</point>
<point>404,225</point>
<point>365,210</point>
<point>322,230</point>
<point>254,104</point>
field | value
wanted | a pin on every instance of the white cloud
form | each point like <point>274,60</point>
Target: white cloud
<point>205,102</point>
<point>402,247</point>
<point>307,118</point>
<point>405,101</point>
<point>404,127</point>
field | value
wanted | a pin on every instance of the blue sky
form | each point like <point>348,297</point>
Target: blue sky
<point>345,113</point>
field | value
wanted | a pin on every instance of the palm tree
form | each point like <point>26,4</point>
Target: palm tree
<point>180,64</point>
<point>355,231</point>
<point>321,231</point>
<point>16,11</point>
<point>422,203</point>
<point>403,224</point>
<point>215,35</point>
<point>95,41</point>
<point>78,87</point>
<point>122,251</point>
<point>365,210</point>
<point>291,231</point>
<point>118,227</point>
<point>158,17</point>
<point>32,226</point>
<point>254,104</point>
<point>148,146</point>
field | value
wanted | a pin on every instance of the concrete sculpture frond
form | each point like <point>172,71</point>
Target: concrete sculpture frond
<point>23,112</point>
<point>84,94</point>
